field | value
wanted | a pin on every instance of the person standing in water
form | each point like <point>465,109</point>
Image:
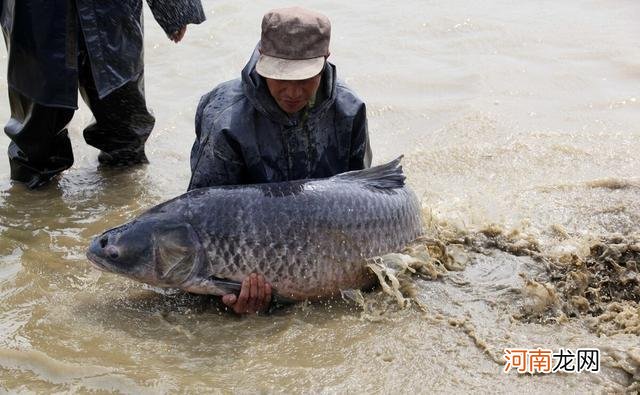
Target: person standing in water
<point>56,47</point>
<point>286,118</point>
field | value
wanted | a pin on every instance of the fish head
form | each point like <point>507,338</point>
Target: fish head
<point>152,250</point>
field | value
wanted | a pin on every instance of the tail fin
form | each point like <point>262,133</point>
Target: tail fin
<point>387,176</point>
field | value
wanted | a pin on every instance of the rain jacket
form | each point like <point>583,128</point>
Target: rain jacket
<point>243,137</point>
<point>42,37</point>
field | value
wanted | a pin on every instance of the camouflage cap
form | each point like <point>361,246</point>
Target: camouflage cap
<point>294,44</point>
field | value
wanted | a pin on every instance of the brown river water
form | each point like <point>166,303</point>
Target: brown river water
<point>520,126</point>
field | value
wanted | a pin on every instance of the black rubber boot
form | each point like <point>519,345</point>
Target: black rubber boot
<point>35,175</point>
<point>122,158</point>
<point>122,122</point>
<point>40,147</point>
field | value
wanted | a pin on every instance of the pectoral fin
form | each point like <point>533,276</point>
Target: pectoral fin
<point>214,286</point>
<point>220,286</point>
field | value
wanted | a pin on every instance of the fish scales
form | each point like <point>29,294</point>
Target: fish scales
<point>321,234</point>
<point>309,238</point>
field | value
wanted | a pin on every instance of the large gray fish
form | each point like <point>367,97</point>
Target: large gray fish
<point>309,238</point>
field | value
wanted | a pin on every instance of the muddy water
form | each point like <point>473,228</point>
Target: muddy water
<point>521,121</point>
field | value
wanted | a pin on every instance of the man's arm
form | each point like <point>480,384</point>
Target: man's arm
<point>215,158</point>
<point>174,15</point>
<point>360,155</point>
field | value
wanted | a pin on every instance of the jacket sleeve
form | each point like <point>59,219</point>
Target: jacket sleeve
<point>6,17</point>
<point>360,155</point>
<point>172,15</point>
<point>215,157</point>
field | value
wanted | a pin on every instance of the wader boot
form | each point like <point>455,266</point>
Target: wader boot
<point>122,123</point>
<point>40,147</point>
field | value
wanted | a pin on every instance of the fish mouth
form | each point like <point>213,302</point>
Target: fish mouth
<point>98,262</point>
<point>101,263</point>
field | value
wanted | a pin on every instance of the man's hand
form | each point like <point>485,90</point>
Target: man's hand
<point>177,36</point>
<point>254,297</point>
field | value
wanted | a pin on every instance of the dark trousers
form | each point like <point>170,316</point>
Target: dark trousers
<point>40,147</point>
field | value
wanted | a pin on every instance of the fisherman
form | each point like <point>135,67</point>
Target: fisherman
<point>287,118</point>
<point>58,46</point>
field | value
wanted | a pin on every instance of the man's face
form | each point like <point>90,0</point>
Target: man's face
<point>293,96</point>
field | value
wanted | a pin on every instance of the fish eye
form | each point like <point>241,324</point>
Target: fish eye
<point>112,252</point>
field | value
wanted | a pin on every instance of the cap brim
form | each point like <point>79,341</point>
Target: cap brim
<point>287,69</point>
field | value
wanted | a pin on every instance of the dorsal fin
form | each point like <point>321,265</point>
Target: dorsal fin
<point>387,176</point>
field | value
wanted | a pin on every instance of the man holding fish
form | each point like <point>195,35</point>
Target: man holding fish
<point>286,118</point>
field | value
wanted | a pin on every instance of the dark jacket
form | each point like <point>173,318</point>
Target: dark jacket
<point>243,137</point>
<point>42,38</point>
